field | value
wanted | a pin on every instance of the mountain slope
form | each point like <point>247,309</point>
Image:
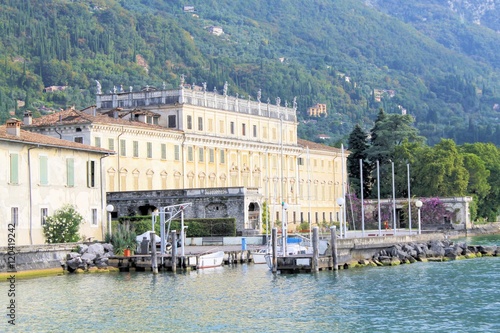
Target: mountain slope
<point>355,56</point>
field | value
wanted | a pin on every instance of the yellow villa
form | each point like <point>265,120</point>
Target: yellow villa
<point>190,138</point>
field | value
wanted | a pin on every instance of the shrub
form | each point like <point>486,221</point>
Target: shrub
<point>63,226</point>
<point>122,239</point>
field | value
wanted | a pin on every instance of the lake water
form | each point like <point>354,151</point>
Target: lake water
<point>455,296</point>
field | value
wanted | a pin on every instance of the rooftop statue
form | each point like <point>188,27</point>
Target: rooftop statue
<point>98,87</point>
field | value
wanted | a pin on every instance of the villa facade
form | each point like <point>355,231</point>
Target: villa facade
<point>190,138</point>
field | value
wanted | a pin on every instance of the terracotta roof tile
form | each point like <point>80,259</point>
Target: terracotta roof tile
<point>27,137</point>
<point>319,146</point>
<point>73,117</point>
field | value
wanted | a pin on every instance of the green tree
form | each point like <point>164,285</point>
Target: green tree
<point>389,132</point>
<point>358,143</point>
<point>63,226</point>
<point>489,207</point>
<point>266,227</point>
<point>440,171</point>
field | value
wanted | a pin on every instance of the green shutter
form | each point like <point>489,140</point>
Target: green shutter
<point>44,177</point>
<point>176,152</point>
<point>14,168</point>
<point>163,151</point>
<point>150,150</point>
<point>70,168</point>
<point>136,149</point>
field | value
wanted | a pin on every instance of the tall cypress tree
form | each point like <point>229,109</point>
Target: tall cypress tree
<point>358,143</point>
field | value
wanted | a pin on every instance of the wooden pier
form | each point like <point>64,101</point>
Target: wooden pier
<point>145,262</point>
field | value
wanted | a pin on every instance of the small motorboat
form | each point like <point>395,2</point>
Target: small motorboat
<point>259,256</point>
<point>214,259</point>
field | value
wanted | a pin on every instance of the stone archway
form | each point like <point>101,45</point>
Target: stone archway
<point>253,224</point>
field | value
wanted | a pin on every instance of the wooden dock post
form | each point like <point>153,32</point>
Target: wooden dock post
<point>154,263</point>
<point>274,238</point>
<point>174,250</point>
<point>315,244</point>
<point>333,235</point>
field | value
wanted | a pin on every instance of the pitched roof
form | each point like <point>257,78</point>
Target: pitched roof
<point>74,117</point>
<point>27,137</point>
<point>319,146</point>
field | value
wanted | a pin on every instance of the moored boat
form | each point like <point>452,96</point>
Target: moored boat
<point>214,259</point>
<point>259,256</point>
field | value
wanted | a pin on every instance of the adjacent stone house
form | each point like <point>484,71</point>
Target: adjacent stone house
<point>40,174</point>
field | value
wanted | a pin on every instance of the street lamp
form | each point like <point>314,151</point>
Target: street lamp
<point>378,200</point>
<point>419,204</point>
<point>409,197</point>
<point>284,227</point>
<point>340,202</point>
<point>109,209</point>
<point>393,198</point>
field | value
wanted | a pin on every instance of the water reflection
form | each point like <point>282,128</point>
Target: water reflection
<point>433,297</point>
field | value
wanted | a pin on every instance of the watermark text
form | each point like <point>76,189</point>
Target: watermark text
<point>11,268</point>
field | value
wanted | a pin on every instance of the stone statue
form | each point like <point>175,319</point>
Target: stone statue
<point>278,101</point>
<point>268,100</point>
<point>98,92</point>
<point>259,95</point>
<point>164,86</point>
<point>215,90</point>
<point>114,89</point>
<point>193,86</point>
<point>121,87</point>
<point>224,91</point>
<point>295,102</point>
<point>182,80</point>
<point>204,84</point>
<point>131,88</point>
<point>286,103</point>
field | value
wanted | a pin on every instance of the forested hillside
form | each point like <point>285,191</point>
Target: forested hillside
<point>431,59</point>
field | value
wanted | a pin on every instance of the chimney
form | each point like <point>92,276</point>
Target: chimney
<point>28,118</point>
<point>13,127</point>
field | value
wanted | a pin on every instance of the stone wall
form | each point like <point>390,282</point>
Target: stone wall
<point>204,203</point>
<point>36,256</point>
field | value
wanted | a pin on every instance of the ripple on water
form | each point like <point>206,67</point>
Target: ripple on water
<point>455,296</point>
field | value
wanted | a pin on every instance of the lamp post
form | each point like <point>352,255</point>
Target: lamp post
<point>284,227</point>
<point>362,198</point>
<point>418,203</point>
<point>340,202</point>
<point>393,199</point>
<point>378,200</point>
<point>109,209</point>
<point>409,196</point>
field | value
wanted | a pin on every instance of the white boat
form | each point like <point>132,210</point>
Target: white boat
<point>259,256</point>
<point>214,259</point>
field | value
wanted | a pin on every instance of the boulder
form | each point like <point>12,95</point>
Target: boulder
<point>72,255</point>
<point>108,247</point>
<point>487,250</point>
<point>436,249</point>
<point>82,248</point>
<point>74,263</point>
<point>88,258</point>
<point>96,249</point>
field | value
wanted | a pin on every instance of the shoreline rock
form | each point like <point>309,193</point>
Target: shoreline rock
<point>89,258</point>
<point>431,251</point>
